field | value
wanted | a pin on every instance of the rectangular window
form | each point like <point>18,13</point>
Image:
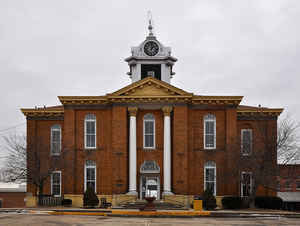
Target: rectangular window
<point>90,134</point>
<point>55,140</point>
<point>151,73</point>
<point>298,185</point>
<point>210,176</point>
<point>246,184</point>
<point>56,183</point>
<point>246,141</point>
<point>90,177</point>
<point>149,134</point>
<point>209,134</point>
<point>209,131</point>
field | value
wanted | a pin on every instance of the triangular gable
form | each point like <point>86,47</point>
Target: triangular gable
<point>150,87</point>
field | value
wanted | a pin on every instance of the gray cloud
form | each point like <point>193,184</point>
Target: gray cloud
<point>59,47</point>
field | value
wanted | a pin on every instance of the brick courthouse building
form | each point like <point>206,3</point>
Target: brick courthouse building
<point>148,138</point>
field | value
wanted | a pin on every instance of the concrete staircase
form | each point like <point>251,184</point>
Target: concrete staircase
<point>159,205</point>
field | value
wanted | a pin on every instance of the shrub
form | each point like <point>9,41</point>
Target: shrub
<point>232,202</point>
<point>66,202</point>
<point>268,202</point>
<point>209,200</point>
<point>90,199</point>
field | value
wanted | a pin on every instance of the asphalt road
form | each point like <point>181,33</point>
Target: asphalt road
<point>13,219</point>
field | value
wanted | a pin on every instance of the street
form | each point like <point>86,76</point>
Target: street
<point>24,219</point>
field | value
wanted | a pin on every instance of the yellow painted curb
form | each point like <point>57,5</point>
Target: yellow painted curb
<point>137,213</point>
<point>161,213</point>
<point>79,213</point>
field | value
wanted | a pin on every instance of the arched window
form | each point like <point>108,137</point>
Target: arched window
<point>149,131</point>
<point>90,175</point>
<point>210,176</point>
<point>55,140</point>
<point>209,131</point>
<point>90,131</point>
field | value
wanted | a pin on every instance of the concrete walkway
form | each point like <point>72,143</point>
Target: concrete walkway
<point>246,213</point>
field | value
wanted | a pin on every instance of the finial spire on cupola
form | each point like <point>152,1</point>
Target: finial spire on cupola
<point>150,26</point>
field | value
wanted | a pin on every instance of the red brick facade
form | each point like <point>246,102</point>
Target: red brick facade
<point>12,199</point>
<point>111,154</point>
<point>289,178</point>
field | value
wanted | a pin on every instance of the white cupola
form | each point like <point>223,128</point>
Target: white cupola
<point>151,58</point>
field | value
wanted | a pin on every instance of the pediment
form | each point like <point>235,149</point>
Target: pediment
<point>150,87</point>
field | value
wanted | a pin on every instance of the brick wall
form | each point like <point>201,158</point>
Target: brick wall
<point>111,153</point>
<point>289,175</point>
<point>12,199</point>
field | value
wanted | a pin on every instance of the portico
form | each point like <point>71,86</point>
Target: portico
<point>167,190</point>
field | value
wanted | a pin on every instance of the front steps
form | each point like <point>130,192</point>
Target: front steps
<point>159,205</point>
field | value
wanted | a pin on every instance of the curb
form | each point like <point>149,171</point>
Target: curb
<point>153,214</point>
<point>137,213</point>
<point>253,215</point>
<point>165,214</point>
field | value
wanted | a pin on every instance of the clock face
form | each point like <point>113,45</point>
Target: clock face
<point>151,48</point>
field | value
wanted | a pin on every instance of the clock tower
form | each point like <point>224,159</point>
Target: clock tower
<point>151,58</point>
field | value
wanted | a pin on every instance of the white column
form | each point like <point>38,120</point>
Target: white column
<point>167,151</point>
<point>132,151</point>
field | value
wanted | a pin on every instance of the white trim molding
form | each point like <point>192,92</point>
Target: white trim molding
<point>211,165</point>
<point>52,183</point>
<point>90,164</point>
<point>55,128</point>
<point>209,118</point>
<point>148,118</point>
<point>90,118</point>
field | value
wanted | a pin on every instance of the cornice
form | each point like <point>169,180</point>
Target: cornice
<point>132,59</point>
<point>263,112</point>
<point>40,112</point>
<point>83,100</point>
<point>217,100</point>
<point>160,91</point>
<point>190,98</point>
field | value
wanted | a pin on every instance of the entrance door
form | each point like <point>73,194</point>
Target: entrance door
<point>149,187</point>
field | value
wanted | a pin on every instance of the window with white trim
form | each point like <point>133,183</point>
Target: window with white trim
<point>56,183</point>
<point>246,184</point>
<point>210,176</point>
<point>55,140</point>
<point>246,141</point>
<point>209,131</point>
<point>90,175</point>
<point>298,185</point>
<point>149,131</point>
<point>90,131</point>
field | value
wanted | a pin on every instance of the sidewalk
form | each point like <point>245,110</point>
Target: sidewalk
<point>248,213</point>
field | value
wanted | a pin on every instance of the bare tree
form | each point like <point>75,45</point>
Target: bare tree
<point>258,168</point>
<point>35,155</point>
<point>288,140</point>
<point>15,159</point>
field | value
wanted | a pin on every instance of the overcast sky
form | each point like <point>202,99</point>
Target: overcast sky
<point>58,47</point>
